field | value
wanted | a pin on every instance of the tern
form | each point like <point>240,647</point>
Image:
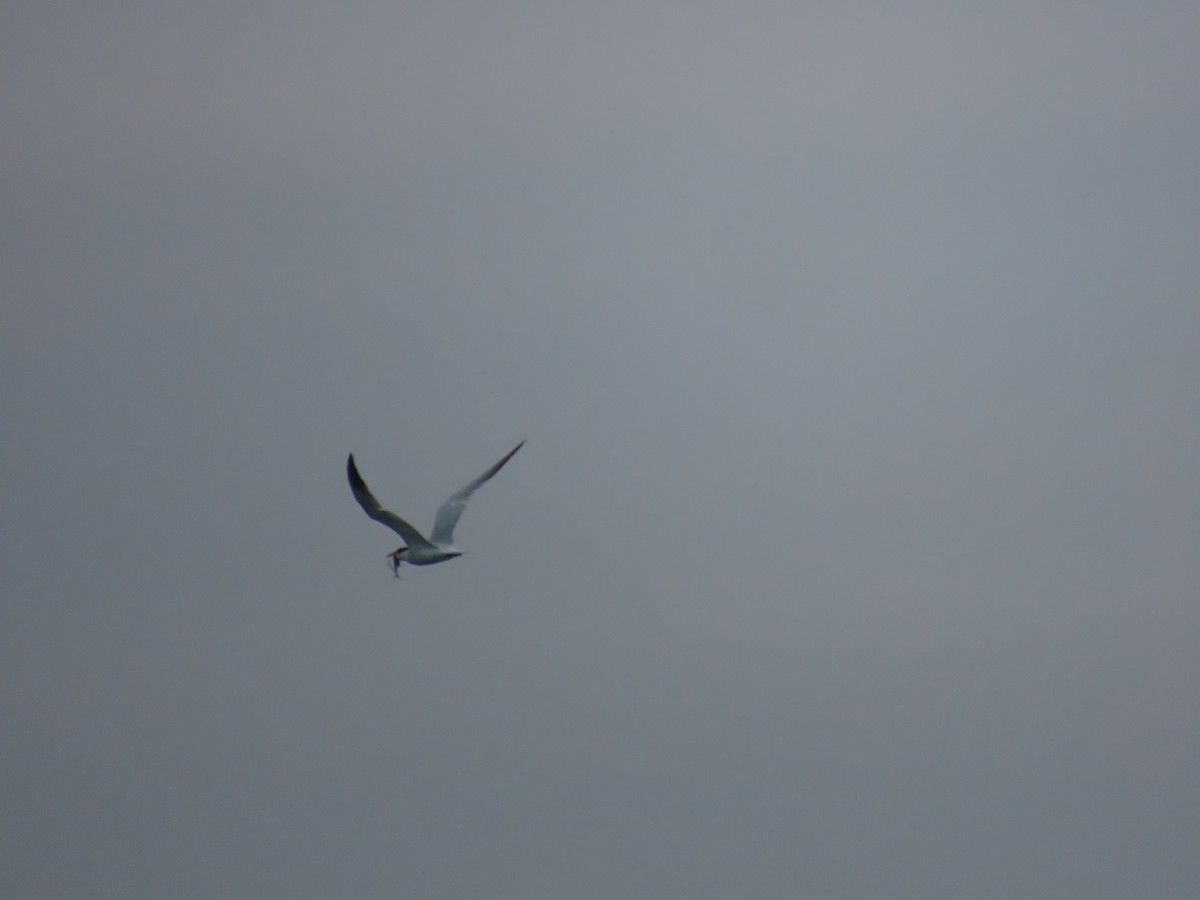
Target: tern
<point>421,550</point>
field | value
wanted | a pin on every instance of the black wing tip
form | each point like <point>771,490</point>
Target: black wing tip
<point>507,456</point>
<point>356,481</point>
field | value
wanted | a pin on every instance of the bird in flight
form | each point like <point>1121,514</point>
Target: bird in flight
<point>421,550</point>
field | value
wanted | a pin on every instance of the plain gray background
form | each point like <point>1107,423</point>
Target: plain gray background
<point>854,549</point>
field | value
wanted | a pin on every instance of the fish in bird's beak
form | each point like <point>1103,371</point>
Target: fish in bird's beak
<point>395,559</point>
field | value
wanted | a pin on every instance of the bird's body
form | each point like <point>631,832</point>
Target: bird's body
<point>422,550</point>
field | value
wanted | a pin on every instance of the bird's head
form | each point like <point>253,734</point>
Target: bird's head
<point>397,557</point>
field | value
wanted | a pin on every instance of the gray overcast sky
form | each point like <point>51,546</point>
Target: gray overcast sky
<point>854,549</point>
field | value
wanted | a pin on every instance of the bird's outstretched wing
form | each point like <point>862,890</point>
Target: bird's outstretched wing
<point>371,507</point>
<point>449,512</point>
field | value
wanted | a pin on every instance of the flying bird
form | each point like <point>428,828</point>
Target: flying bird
<point>421,550</point>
